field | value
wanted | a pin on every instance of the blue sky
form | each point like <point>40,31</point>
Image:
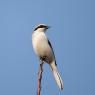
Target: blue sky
<point>72,35</point>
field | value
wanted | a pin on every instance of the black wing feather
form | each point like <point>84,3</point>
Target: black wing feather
<point>52,50</point>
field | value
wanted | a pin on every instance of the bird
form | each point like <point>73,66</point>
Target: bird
<point>43,49</point>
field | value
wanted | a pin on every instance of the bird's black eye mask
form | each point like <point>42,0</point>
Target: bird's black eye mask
<point>41,26</point>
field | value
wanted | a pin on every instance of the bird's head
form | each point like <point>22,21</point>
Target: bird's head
<point>42,27</point>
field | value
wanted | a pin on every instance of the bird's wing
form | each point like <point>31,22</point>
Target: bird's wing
<point>52,50</point>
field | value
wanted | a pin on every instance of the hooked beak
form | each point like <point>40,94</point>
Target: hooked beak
<point>48,27</point>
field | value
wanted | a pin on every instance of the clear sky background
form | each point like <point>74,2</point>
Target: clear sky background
<point>72,35</point>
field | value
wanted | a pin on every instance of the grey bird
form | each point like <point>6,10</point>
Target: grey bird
<point>44,51</point>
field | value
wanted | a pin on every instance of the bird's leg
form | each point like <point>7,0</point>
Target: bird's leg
<point>44,59</point>
<point>40,76</point>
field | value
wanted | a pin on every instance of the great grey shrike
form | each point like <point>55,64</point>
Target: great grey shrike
<point>44,51</point>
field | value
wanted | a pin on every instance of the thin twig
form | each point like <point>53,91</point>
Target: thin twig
<point>40,77</point>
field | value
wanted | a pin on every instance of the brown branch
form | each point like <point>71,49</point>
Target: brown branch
<point>40,77</point>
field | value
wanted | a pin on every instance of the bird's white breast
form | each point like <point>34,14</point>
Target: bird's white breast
<point>40,45</point>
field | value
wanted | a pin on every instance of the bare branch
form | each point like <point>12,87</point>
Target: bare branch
<point>40,77</point>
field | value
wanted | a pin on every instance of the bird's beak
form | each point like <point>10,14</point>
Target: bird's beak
<point>48,27</point>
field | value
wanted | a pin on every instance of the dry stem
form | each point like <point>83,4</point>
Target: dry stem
<point>40,77</point>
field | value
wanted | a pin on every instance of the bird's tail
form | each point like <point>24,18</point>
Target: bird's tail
<point>56,75</point>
